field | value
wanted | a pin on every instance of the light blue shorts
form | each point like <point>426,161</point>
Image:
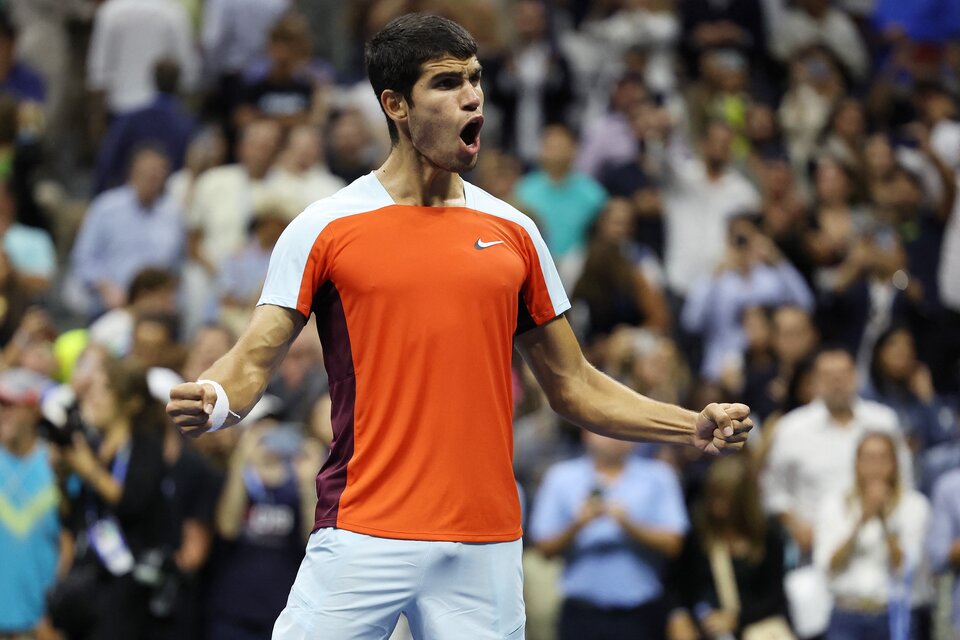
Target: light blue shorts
<point>354,587</point>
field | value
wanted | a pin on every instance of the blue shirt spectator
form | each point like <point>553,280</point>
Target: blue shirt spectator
<point>605,567</point>
<point>23,83</point>
<point>944,537</point>
<point>921,20</point>
<point>755,274</point>
<point>163,122</point>
<point>126,230</point>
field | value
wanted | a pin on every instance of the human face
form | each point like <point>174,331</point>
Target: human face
<point>876,460</point>
<point>836,377</point>
<point>898,357</point>
<point>99,405</point>
<point>149,175</point>
<point>793,336</point>
<point>16,420</point>
<point>445,114</point>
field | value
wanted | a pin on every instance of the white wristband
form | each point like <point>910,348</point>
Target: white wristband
<point>222,407</point>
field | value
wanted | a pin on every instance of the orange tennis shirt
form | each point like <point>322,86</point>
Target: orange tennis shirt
<point>417,308</point>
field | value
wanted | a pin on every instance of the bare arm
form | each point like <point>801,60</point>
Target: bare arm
<point>243,371</point>
<point>593,400</point>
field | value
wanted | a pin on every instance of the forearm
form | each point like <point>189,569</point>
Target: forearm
<point>598,403</point>
<point>666,543</point>
<point>104,484</point>
<point>559,544</point>
<point>232,503</point>
<point>841,557</point>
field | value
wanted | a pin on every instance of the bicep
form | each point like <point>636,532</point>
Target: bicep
<point>553,354</point>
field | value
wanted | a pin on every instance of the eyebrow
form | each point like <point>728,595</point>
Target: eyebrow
<point>456,75</point>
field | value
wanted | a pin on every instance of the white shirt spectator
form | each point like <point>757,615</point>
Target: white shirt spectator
<point>222,207</point>
<point>697,210</point>
<point>235,32</point>
<point>799,30</point>
<point>812,456</point>
<point>949,275</point>
<point>305,188</point>
<point>129,36</point>
<point>867,574</point>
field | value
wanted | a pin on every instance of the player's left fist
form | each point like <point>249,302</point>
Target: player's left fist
<point>722,428</point>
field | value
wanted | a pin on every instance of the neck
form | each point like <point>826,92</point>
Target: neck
<point>715,170</point>
<point>557,174</point>
<point>256,173</point>
<point>116,436</point>
<point>609,467</point>
<point>412,180</point>
<point>23,443</point>
<point>842,415</point>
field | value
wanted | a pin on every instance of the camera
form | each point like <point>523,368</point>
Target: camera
<point>59,416</point>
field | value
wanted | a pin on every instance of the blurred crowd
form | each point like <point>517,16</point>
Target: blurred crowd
<point>748,200</point>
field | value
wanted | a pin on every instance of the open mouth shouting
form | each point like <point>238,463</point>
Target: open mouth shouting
<point>470,134</point>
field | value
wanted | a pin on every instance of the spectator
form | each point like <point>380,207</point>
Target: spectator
<point>264,515</point>
<point>612,139</point>
<point>903,383</point>
<point>152,291</point>
<point>738,24</point>
<point>621,281</point>
<point>119,516</point>
<point>301,174</point>
<point>616,519</point>
<point>564,200</point>
<point>242,274</point>
<point>732,568</point>
<point>700,197</point>
<point>754,273</point>
<point>124,231</point>
<point>29,250</point>
<point>154,342</point>
<point>164,122</point>
<point>284,91</point>
<point>234,36</point>
<point>869,540</point>
<point>29,524</point>
<point>530,85</point>
<point>943,543</point>
<point>14,301</point>
<point>129,37</point>
<point>301,387</point>
<point>814,446</point>
<point>16,78</point>
<point>353,150</point>
<point>815,22</point>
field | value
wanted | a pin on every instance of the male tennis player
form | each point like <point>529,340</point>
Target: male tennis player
<point>422,284</point>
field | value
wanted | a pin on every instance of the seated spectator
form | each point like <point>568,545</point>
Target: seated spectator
<point>16,78</point>
<point>284,93</point>
<point>754,273</point>
<point>815,22</point>
<point>154,341</point>
<point>903,383</point>
<point>564,201</point>
<point>617,519</point>
<point>301,174</point>
<point>813,449</point>
<point>943,543</point>
<point>29,250</point>
<point>738,24</point>
<point>353,150</point>
<point>164,122</point>
<point>124,231</point>
<point>869,540</point>
<point>816,84</point>
<point>29,523</point>
<point>611,139</point>
<point>152,291</point>
<point>242,274</point>
<point>265,514</point>
<point>301,386</point>
<point>621,282</point>
<point>730,575</point>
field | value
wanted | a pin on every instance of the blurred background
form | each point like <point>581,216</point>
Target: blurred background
<point>748,200</point>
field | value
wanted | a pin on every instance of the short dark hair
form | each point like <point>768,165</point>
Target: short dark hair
<point>150,280</point>
<point>395,55</point>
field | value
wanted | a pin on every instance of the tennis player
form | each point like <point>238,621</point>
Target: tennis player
<point>422,285</point>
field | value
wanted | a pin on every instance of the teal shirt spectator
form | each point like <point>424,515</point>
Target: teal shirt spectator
<point>30,251</point>
<point>29,538</point>
<point>564,210</point>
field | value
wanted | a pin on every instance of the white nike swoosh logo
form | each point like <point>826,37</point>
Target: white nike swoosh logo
<point>483,245</point>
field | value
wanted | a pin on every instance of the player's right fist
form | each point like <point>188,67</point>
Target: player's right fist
<point>190,407</point>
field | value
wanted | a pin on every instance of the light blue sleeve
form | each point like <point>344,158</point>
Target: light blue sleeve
<point>551,513</point>
<point>671,511</point>
<point>943,524</point>
<point>85,261</point>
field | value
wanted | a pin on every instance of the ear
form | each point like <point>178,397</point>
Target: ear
<point>395,106</point>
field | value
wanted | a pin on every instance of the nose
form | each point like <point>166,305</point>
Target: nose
<point>472,98</point>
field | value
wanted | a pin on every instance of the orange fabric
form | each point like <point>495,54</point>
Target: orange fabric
<point>431,320</point>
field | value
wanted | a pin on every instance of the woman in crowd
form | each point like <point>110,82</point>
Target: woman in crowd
<point>870,544</point>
